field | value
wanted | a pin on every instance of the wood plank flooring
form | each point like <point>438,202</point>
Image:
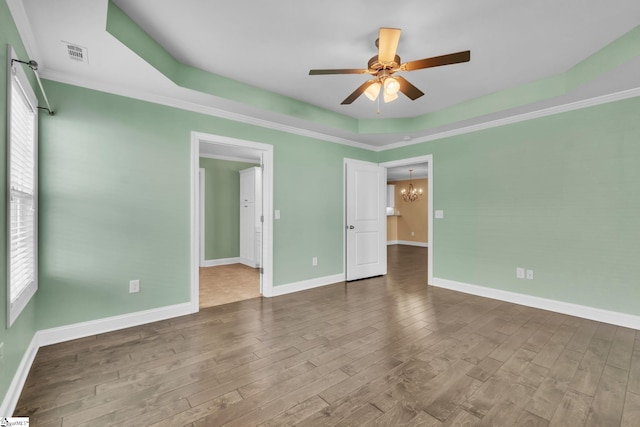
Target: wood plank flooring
<point>386,351</point>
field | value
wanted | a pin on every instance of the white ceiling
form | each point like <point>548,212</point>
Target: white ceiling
<point>273,45</point>
<point>400,173</point>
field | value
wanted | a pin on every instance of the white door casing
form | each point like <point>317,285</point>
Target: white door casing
<point>366,221</point>
<point>266,150</point>
<point>427,158</point>
<point>201,216</point>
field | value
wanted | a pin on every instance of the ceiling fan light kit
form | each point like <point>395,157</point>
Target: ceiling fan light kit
<point>386,63</point>
<point>388,97</point>
<point>391,86</point>
<point>373,91</point>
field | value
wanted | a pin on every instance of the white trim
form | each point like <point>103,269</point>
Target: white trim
<point>307,284</point>
<point>408,243</point>
<point>81,330</point>
<point>217,112</point>
<point>249,262</point>
<point>585,312</point>
<point>220,261</point>
<point>427,158</point>
<point>201,179</point>
<point>198,108</point>
<point>109,324</point>
<point>267,208</point>
<point>550,111</point>
<point>8,405</point>
<point>230,158</point>
<point>195,225</point>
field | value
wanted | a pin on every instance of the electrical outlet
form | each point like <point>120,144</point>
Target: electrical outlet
<point>134,286</point>
<point>529,274</point>
<point>314,261</point>
<point>413,234</point>
<point>520,273</point>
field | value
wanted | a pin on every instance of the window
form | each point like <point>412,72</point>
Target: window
<point>22,135</point>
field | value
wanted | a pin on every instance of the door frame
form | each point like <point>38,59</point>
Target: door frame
<point>267,209</point>
<point>201,224</point>
<point>428,158</point>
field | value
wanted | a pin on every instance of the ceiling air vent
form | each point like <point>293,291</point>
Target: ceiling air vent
<point>77,53</point>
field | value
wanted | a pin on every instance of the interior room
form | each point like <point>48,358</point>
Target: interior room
<point>407,214</point>
<point>230,227</point>
<point>506,294</point>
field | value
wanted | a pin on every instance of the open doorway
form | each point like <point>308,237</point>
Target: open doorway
<point>409,216</point>
<point>231,233</point>
<point>230,228</point>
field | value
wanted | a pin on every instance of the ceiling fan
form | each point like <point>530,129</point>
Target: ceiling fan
<point>386,63</point>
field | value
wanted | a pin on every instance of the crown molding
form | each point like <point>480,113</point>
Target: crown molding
<point>242,118</point>
<point>197,108</point>
<point>544,112</point>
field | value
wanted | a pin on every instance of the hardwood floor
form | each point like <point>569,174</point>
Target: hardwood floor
<point>383,351</point>
<point>228,283</point>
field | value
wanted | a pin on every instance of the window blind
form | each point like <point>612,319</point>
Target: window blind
<point>22,197</point>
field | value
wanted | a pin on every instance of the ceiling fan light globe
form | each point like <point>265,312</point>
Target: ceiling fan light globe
<point>391,86</point>
<point>389,97</point>
<point>373,91</point>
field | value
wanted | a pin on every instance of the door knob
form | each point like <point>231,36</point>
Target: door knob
<point>351,227</point>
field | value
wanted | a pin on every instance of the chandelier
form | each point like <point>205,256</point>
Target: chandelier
<point>412,194</point>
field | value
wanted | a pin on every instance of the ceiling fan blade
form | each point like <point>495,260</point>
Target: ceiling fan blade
<point>356,93</point>
<point>388,44</point>
<point>436,61</point>
<point>408,89</point>
<point>338,71</point>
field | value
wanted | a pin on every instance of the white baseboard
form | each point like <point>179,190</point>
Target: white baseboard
<point>592,313</point>
<point>109,324</point>
<point>307,284</point>
<point>407,242</point>
<point>221,261</point>
<point>10,401</point>
<point>248,262</point>
<point>81,330</point>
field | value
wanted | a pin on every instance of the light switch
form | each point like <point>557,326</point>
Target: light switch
<point>439,214</point>
<point>276,214</point>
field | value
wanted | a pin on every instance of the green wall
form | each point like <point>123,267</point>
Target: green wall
<point>17,338</point>
<point>222,207</point>
<point>559,195</point>
<point>115,203</point>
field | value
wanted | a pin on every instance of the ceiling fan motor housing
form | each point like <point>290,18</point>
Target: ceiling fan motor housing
<point>375,65</point>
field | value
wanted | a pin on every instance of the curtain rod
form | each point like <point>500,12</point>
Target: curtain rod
<point>34,66</point>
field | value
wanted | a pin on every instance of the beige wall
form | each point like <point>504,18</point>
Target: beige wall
<point>413,215</point>
<point>392,228</point>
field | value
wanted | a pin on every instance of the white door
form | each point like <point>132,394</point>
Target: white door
<point>366,220</point>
